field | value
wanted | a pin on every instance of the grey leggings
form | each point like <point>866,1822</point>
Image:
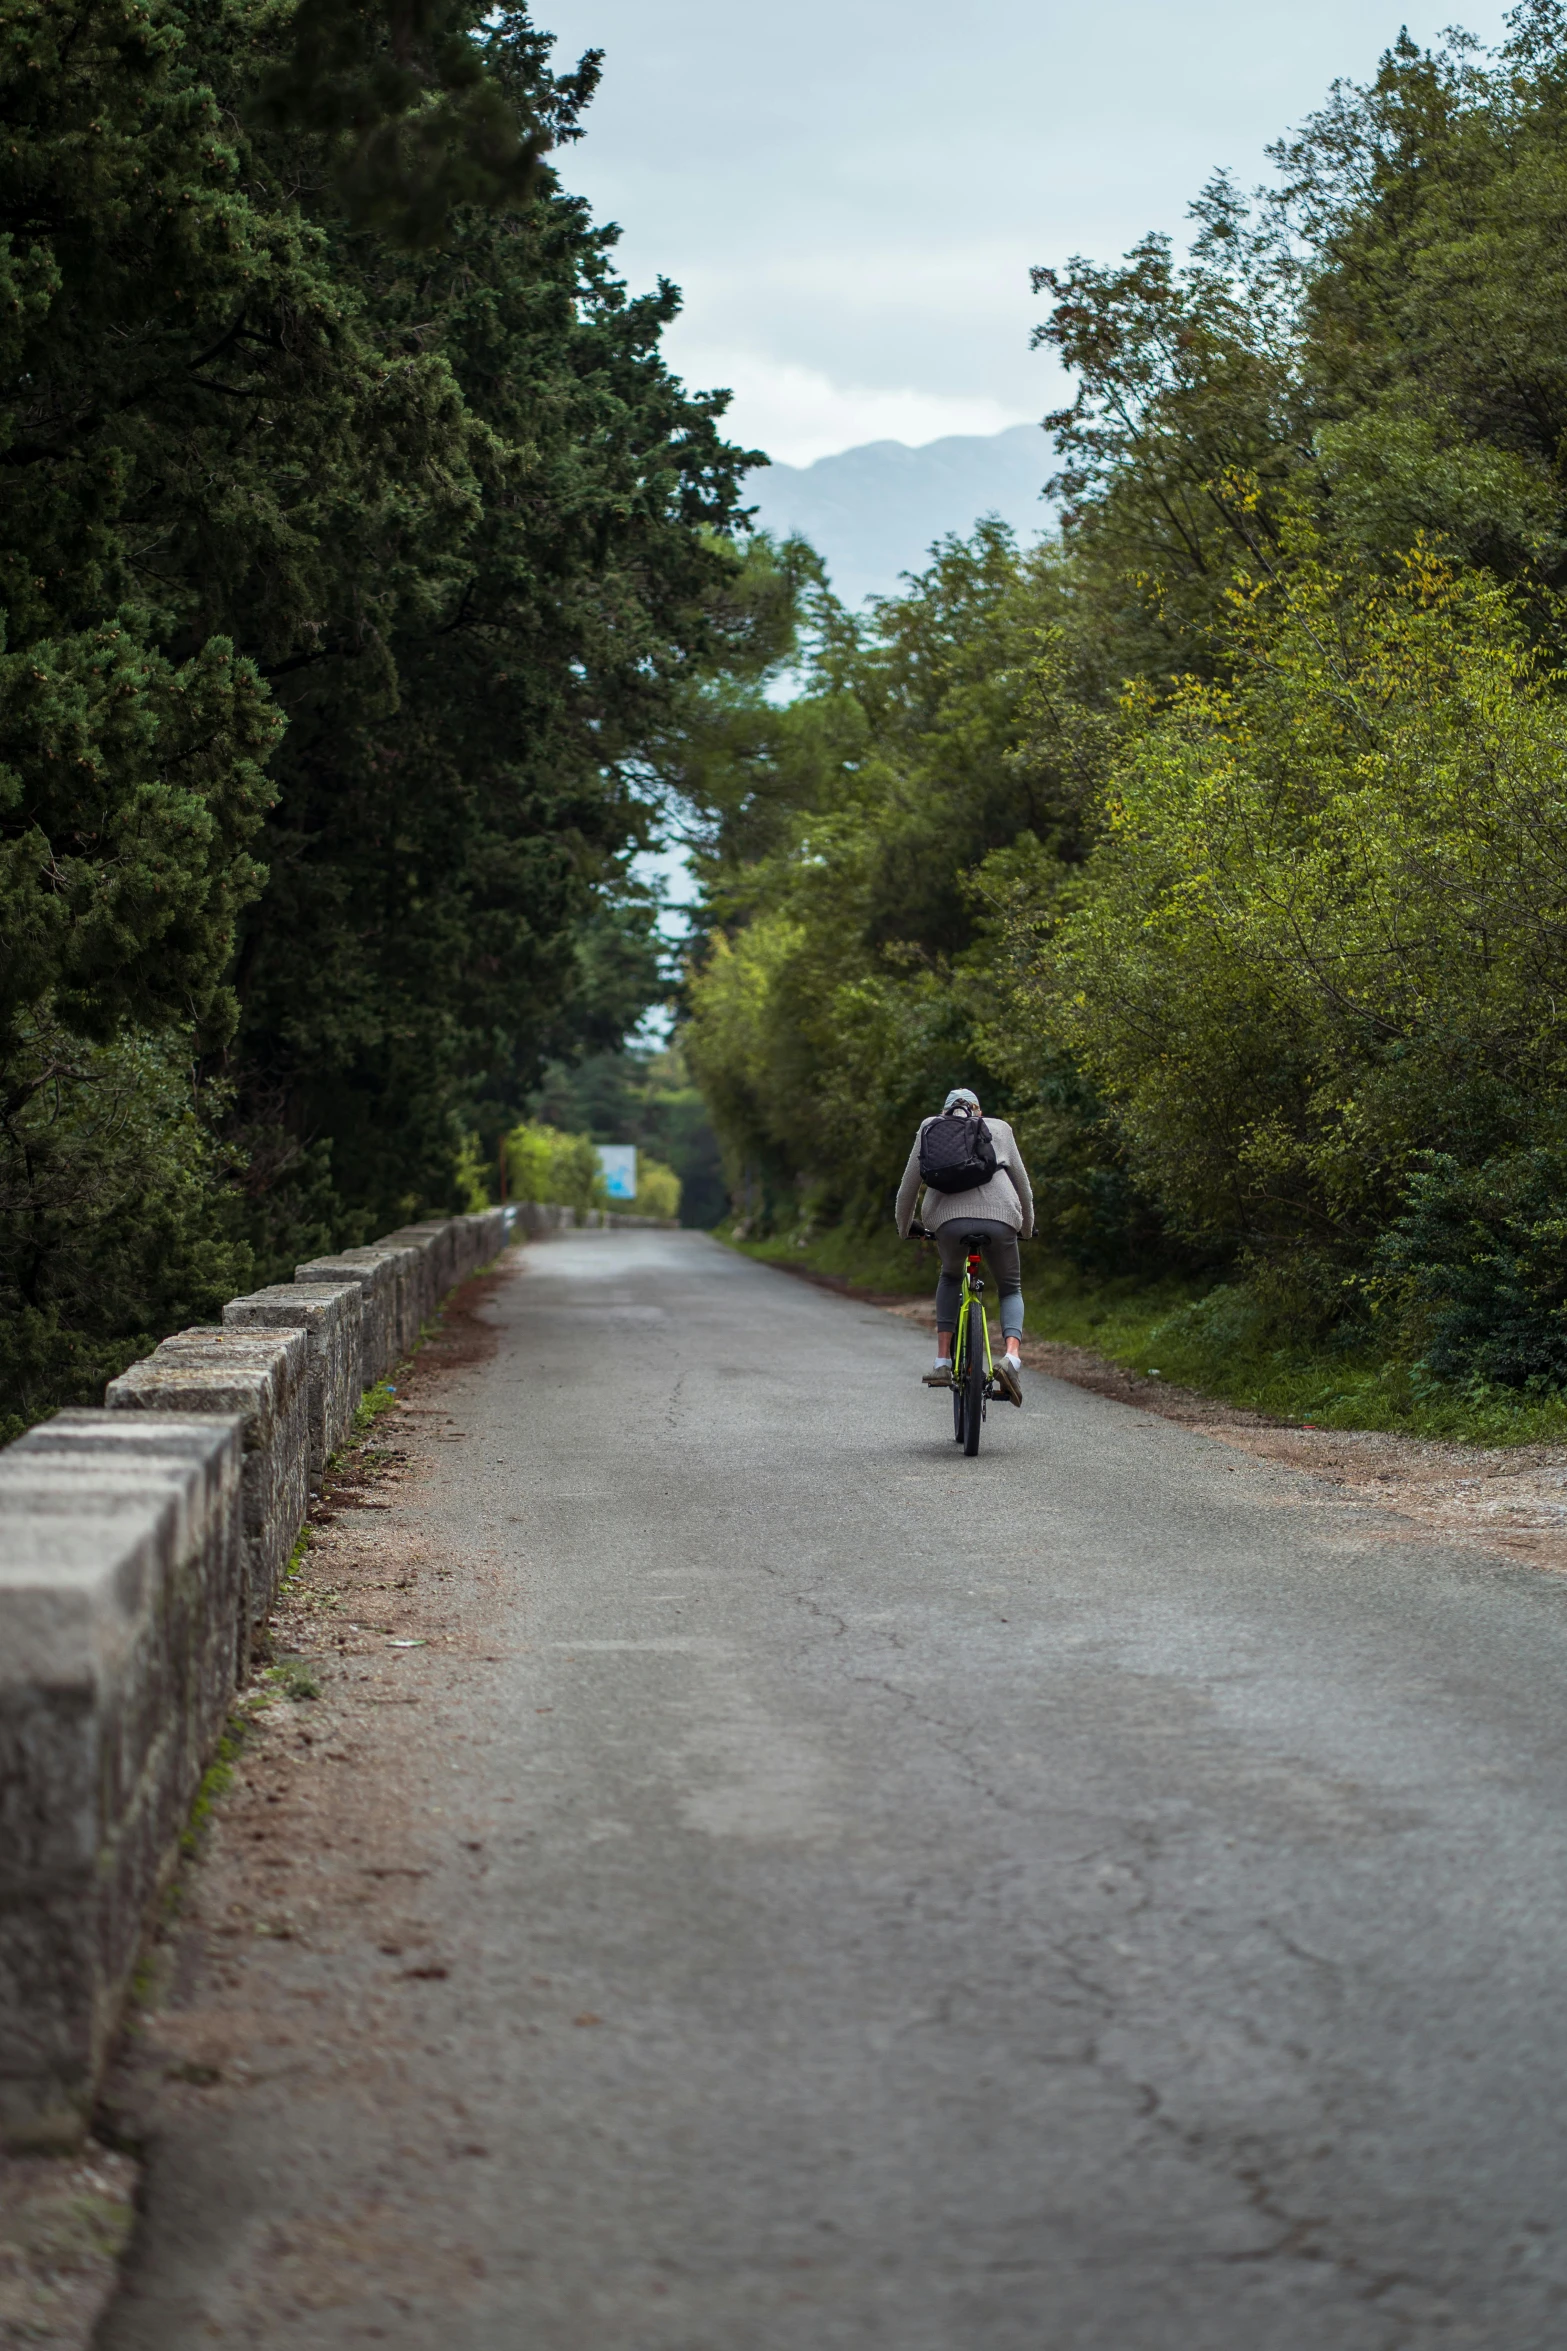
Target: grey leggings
<point>999,1243</point>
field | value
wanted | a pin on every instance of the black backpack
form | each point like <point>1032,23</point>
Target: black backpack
<point>956,1153</point>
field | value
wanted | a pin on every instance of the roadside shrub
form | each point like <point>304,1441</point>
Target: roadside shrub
<point>119,1215</point>
<point>1478,1262</point>
<point>546,1165</point>
<point>470,1176</point>
<point>658,1189</point>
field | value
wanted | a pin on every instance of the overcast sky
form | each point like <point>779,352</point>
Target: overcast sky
<point>850,193</point>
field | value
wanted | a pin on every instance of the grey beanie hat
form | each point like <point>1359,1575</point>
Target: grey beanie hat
<point>963,1095</point>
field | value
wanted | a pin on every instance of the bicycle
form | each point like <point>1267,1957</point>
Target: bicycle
<point>973,1367</point>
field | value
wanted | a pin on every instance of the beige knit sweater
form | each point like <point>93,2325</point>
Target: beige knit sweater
<point>1006,1199</point>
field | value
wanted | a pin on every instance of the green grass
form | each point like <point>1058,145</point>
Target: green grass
<point>381,1398</point>
<point>1220,1342</point>
<point>1215,1340</point>
<point>882,1262</point>
<point>216,1781</point>
<point>292,1678</point>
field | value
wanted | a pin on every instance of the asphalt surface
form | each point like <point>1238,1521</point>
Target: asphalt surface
<point>1107,1895</point>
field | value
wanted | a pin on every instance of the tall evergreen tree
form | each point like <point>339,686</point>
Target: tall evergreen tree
<point>355,539</point>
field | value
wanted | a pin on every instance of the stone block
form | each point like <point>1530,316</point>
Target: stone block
<point>432,1245</point>
<point>443,1253</point>
<point>329,1314</point>
<point>538,1217</point>
<point>263,1376</point>
<point>486,1237</point>
<point>376,1272</point>
<point>413,1273</point>
<point>120,1561</point>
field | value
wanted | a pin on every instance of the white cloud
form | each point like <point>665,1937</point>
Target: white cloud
<point>798,414</point>
<point>850,196</point>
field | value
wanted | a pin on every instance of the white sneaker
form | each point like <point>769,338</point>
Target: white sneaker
<point>1008,1372</point>
<point>940,1373</point>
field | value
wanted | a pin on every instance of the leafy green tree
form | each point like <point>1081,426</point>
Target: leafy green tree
<point>356,545</point>
<point>1320,932</point>
<point>1223,845</point>
<point>544,1164</point>
<point>116,1225</point>
<point>457,797</point>
<point>414,122</point>
<point>1316,941</point>
<point>1475,1268</point>
<point>844,967</point>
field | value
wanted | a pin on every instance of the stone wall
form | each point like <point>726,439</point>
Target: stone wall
<point>544,1216</point>
<point>327,1313</point>
<point>140,1551</point>
<point>260,1377</point>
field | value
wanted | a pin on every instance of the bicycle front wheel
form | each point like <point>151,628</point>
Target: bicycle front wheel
<point>973,1385</point>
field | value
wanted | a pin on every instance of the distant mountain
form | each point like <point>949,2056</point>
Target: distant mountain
<point>872,512</point>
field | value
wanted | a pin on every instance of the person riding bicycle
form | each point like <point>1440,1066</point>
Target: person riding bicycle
<point>998,1210</point>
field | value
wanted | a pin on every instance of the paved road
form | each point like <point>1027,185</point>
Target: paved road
<point>1105,1896</point>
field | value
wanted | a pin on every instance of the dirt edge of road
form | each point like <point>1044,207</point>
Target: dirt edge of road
<point>64,2223</point>
<point>1506,1499</point>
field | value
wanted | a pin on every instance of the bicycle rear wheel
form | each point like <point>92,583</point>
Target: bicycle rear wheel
<point>959,1360</point>
<point>974,1383</point>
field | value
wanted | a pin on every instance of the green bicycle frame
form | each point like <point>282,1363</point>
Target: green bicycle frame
<point>972,1300</point>
<point>971,1357</point>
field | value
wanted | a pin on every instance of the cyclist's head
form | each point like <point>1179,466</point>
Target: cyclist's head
<point>961,1098</point>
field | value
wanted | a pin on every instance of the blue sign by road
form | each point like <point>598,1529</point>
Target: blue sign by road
<point>619,1163</point>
